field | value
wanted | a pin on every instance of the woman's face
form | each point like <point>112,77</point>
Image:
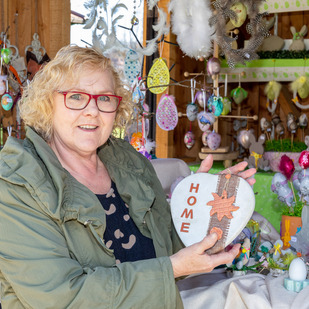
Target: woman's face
<point>83,131</point>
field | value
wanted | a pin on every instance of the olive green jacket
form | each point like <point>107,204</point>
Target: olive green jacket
<point>52,252</point>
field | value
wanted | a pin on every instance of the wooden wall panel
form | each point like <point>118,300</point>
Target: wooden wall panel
<point>49,18</point>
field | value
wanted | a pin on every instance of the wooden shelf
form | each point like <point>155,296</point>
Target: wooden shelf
<point>281,6</point>
<point>226,157</point>
<point>264,70</point>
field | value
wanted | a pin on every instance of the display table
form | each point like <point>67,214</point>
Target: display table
<point>252,291</point>
<point>266,202</point>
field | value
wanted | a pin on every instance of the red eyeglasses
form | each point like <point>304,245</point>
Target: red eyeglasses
<point>106,103</point>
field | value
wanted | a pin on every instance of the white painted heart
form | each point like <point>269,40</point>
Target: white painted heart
<point>203,202</point>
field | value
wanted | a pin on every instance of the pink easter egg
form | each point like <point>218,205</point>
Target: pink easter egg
<point>189,139</point>
<point>213,140</point>
<point>304,159</point>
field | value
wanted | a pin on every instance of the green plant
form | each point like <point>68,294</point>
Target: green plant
<point>284,145</point>
<point>294,211</point>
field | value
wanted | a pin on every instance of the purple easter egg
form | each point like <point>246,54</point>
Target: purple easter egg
<point>213,140</point>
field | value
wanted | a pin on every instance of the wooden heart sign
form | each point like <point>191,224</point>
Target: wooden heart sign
<point>203,203</point>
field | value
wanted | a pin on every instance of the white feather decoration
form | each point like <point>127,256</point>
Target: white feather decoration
<point>190,23</point>
<point>152,3</point>
<point>161,28</point>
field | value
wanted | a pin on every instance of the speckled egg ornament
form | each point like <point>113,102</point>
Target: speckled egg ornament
<point>159,74</point>
<point>189,139</point>
<point>213,140</point>
<point>166,115</point>
<point>132,66</point>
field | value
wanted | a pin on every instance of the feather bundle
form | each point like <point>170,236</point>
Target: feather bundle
<point>161,28</point>
<point>272,90</point>
<point>301,86</point>
<point>152,3</point>
<point>190,23</point>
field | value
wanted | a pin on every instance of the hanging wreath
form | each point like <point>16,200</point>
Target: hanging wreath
<point>256,28</point>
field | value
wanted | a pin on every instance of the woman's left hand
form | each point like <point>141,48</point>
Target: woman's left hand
<point>237,169</point>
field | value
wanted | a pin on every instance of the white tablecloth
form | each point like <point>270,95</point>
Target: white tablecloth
<point>251,291</point>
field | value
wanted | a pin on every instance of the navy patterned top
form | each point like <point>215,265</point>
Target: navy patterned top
<point>121,234</point>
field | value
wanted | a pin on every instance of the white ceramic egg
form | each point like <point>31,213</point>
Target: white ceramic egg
<point>298,270</point>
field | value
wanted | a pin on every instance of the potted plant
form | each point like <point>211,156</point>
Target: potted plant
<point>292,188</point>
<point>275,149</point>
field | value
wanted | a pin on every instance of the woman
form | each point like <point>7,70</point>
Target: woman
<point>59,248</point>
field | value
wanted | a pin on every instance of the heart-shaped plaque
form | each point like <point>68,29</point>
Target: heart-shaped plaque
<point>203,203</point>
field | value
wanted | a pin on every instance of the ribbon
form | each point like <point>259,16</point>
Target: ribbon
<point>277,247</point>
<point>287,237</point>
<point>256,157</point>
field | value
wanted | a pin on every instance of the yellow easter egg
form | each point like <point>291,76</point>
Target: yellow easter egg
<point>159,74</point>
<point>241,12</point>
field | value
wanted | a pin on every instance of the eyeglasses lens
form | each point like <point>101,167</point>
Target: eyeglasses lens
<point>105,103</point>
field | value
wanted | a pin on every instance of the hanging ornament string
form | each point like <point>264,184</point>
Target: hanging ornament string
<point>36,17</point>
<point>204,99</point>
<point>9,129</point>
<point>161,48</point>
<point>134,20</point>
<point>193,86</point>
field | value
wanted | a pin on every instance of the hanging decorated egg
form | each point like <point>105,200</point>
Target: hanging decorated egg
<point>137,140</point>
<point>227,106</point>
<point>192,111</point>
<point>243,138</point>
<point>205,120</point>
<point>304,159</point>
<point>215,105</point>
<point>138,95</point>
<point>167,115</point>
<point>132,66</point>
<point>189,139</point>
<point>3,79</point>
<point>204,137</point>
<point>6,55</point>
<point>213,140</point>
<point>239,94</point>
<point>213,66</point>
<point>159,74</point>
<point>199,98</point>
<point>241,12</point>
<point>6,101</point>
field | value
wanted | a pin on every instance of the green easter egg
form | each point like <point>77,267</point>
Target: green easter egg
<point>241,12</point>
<point>239,94</point>
<point>226,106</point>
<point>6,55</point>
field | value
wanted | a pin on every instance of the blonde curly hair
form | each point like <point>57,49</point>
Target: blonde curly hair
<point>36,104</point>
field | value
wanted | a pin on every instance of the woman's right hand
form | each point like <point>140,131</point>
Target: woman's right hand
<point>194,259</point>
